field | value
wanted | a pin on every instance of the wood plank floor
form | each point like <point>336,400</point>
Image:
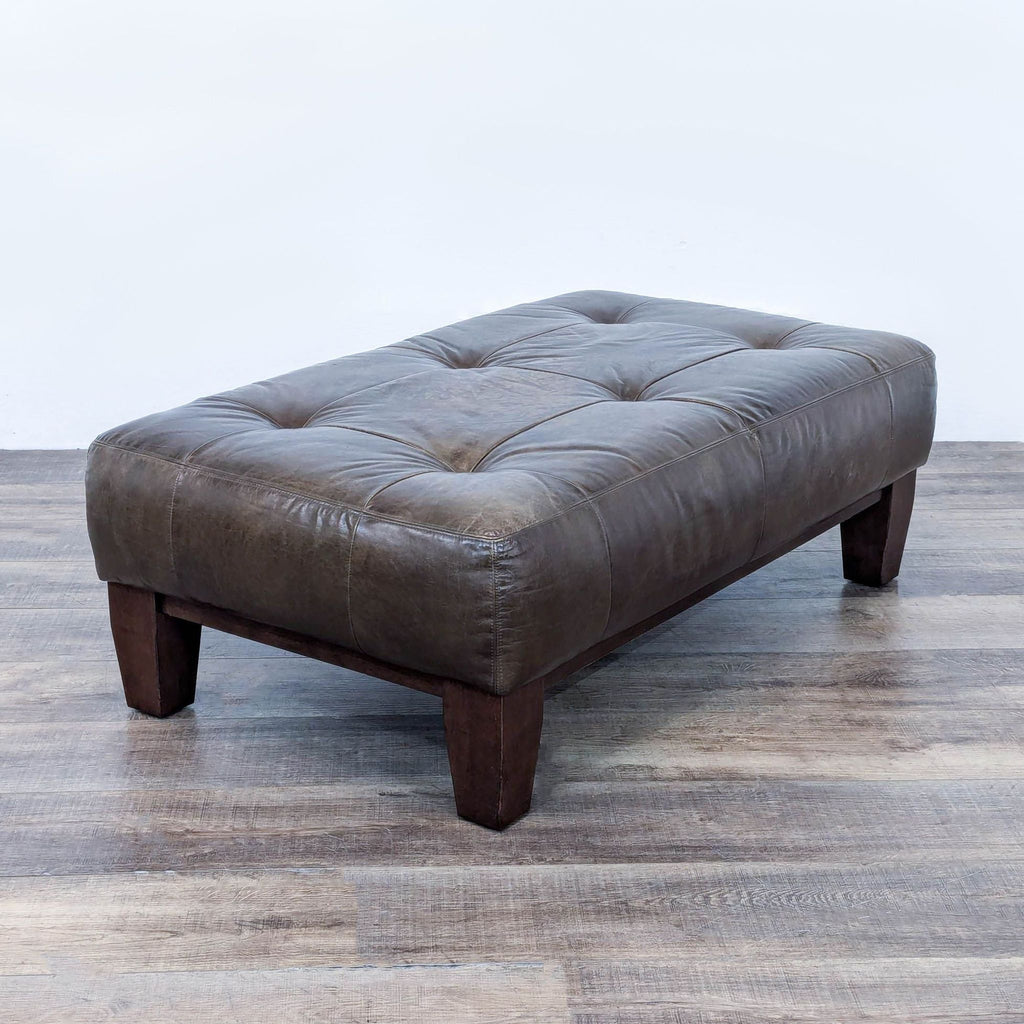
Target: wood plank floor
<point>802,801</point>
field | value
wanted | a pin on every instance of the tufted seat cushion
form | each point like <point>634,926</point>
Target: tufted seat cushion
<point>485,501</point>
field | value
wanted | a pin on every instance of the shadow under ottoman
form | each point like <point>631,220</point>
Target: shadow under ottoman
<point>481,510</point>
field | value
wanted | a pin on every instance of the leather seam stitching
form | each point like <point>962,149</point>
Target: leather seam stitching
<point>426,528</point>
<point>170,523</point>
<point>500,709</point>
<point>611,572</point>
<point>348,581</point>
<point>604,534</point>
<point>722,440</point>
<point>359,516</point>
<point>764,494</point>
<point>261,485</point>
<point>495,623</point>
<point>892,431</point>
<point>892,406</point>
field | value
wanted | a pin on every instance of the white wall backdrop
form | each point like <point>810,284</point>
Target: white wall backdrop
<point>200,193</point>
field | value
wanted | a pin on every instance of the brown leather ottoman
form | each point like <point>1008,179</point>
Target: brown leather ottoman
<point>481,510</point>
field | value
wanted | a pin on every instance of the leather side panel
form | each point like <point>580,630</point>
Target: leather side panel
<point>128,498</point>
<point>271,556</point>
<point>424,600</point>
<point>682,526</point>
<point>819,459</point>
<point>553,594</point>
<point>913,397</point>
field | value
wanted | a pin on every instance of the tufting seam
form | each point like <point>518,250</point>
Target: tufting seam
<point>683,369</point>
<point>852,352</point>
<point>265,486</point>
<point>553,476</point>
<point>570,310</point>
<point>359,391</point>
<point>722,440</point>
<point>523,430</point>
<point>402,346</point>
<point>389,437</point>
<point>559,373</point>
<point>213,440</point>
<point>529,337</point>
<point>702,401</point>
<point>242,405</point>
<point>380,490</point>
<point>237,403</point>
<point>630,309</point>
<point>807,323</point>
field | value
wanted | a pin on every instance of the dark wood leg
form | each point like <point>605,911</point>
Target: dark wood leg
<point>492,750</point>
<point>873,539</point>
<point>158,655</point>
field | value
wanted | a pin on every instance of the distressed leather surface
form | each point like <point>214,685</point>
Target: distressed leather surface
<point>487,500</point>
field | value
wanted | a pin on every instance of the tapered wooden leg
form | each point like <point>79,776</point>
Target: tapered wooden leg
<point>492,750</point>
<point>158,655</point>
<point>873,539</point>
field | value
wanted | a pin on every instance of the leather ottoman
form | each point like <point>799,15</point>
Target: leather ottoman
<point>481,510</point>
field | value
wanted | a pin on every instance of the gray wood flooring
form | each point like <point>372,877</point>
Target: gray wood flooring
<point>801,801</point>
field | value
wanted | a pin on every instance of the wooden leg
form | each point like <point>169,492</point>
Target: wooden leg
<point>492,750</point>
<point>873,539</point>
<point>158,655</point>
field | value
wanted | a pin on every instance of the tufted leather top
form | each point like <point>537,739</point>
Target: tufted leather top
<point>487,500</point>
